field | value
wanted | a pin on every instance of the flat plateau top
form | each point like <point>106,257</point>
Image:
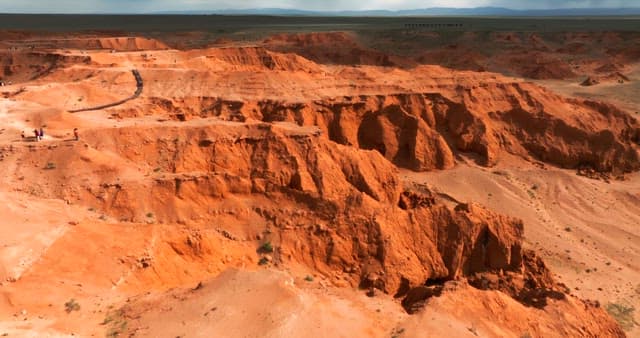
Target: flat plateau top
<point>167,23</point>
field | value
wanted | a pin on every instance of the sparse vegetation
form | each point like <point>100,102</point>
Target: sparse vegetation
<point>116,322</point>
<point>267,247</point>
<point>397,332</point>
<point>71,306</point>
<point>531,194</point>
<point>500,173</point>
<point>623,314</point>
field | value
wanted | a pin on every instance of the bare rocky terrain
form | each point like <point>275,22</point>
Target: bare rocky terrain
<point>420,183</point>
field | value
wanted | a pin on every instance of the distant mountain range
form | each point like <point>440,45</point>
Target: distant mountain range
<point>434,11</point>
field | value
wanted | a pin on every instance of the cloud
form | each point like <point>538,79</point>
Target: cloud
<point>124,6</point>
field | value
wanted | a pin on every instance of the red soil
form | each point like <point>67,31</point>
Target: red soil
<point>238,157</point>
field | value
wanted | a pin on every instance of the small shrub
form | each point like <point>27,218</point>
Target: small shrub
<point>623,314</point>
<point>267,247</point>
<point>531,194</point>
<point>50,166</point>
<point>116,322</point>
<point>263,261</point>
<point>149,215</point>
<point>500,173</point>
<point>397,332</point>
<point>71,306</point>
<point>309,278</point>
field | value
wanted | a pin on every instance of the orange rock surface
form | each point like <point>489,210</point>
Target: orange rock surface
<point>264,190</point>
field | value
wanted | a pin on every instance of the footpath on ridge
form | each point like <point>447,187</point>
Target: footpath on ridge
<point>139,88</point>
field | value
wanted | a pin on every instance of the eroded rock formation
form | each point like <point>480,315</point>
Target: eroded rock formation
<point>338,210</point>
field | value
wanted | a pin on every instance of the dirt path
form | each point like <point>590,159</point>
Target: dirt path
<point>139,88</point>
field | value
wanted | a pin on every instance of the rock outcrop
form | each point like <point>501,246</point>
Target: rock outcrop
<point>246,155</point>
<point>340,211</point>
<point>425,131</point>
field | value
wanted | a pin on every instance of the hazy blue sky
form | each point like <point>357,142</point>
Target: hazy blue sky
<point>163,5</point>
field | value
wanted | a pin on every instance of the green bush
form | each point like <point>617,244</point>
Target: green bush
<point>71,306</point>
<point>266,247</point>
<point>623,314</point>
<point>116,322</point>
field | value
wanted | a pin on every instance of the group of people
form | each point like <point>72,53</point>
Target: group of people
<point>39,134</point>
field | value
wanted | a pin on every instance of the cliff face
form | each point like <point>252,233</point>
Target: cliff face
<point>243,155</point>
<point>338,210</point>
<point>425,131</point>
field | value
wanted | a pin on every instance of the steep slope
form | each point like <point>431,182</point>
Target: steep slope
<point>245,157</point>
<point>418,119</point>
<point>284,305</point>
<point>23,66</point>
<point>425,131</point>
<point>336,210</point>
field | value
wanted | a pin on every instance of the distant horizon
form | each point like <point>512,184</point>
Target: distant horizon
<point>427,11</point>
<point>306,6</point>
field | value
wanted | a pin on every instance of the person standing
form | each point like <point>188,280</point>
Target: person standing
<point>37,134</point>
<point>75,134</point>
<point>41,133</point>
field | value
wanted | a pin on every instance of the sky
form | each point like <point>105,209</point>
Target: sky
<point>148,6</point>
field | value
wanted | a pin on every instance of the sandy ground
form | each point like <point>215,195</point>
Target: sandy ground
<point>587,230</point>
<point>622,94</point>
